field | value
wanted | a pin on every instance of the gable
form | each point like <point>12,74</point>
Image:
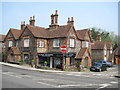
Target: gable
<point>72,33</point>
<point>87,37</point>
<point>26,32</point>
<point>9,35</point>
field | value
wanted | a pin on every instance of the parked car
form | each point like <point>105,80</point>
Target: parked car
<point>98,67</point>
<point>109,64</point>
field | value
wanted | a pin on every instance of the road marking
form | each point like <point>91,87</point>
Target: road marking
<point>76,85</point>
<point>113,82</point>
<point>69,74</point>
<point>103,86</point>
<point>48,84</point>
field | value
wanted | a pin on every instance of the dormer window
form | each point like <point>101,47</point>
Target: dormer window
<point>56,43</point>
<point>72,42</point>
<point>26,42</point>
<point>10,43</point>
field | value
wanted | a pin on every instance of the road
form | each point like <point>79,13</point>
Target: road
<point>20,78</point>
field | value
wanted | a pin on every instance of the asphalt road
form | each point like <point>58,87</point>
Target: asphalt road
<point>19,78</point>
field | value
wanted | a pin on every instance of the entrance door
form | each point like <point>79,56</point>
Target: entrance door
<point>12,57</point>
<point>26,57</point>
<point>86,62</point>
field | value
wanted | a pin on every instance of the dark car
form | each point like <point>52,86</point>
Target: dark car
<point>109,64</point>
<point>98,67</point>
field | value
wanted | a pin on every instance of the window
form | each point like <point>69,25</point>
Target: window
<point>85,44</point>
<point>26,42</point>
<point>110,51</point>
<point>105,52</point>
<point>71,60</point>
<point>10,43</point>
<point>72,41</point>
<point>41,44</point>
<point>56,43</point>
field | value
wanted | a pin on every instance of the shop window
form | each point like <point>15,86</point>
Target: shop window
<point>72,42</point>
<point>10,43</point>
<point>56,43</point>
<point>41,44</point>
<point>71,60</point>
<point>26,42</point>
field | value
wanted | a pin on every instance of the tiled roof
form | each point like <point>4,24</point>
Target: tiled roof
<point>47,33</point>
<point>2,37</point>
<point>81,33</point>
<point>101,45</point>
<point>16,33</point>
<point>109,45</point>
<point>98,45</point>
<point>81,53</point>
<point>15,50</point>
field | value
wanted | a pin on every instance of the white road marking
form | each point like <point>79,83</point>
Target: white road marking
<point>48,84</point>
<point>76,85</point>
<point>113,82</point>
<point>103,86</point>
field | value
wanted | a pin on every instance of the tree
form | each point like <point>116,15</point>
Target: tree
<point>105,35</point>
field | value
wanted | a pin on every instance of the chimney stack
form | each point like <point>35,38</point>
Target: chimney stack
<point>68,22</point>
<point>32,21</point>
<point>56,17</point>
<point>52,19</point>
<point>22,25</point>
<point>72,21</point>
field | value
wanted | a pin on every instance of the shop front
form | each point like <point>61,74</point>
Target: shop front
<point>54,60</point>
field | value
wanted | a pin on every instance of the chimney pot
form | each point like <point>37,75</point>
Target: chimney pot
<point>72,19</point>
<point>30,18</point>
<point>68,19</point>
<point>33,17</point>
<point>56,12</point>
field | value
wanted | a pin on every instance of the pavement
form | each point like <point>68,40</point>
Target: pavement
<point>110,73</point>
<point>30,68</point>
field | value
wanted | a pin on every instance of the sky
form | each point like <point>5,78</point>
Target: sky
<point>102,15</point>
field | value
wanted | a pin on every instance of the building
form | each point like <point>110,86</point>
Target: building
<point>101,50</point>
<point>2,47</point>
<point>115,56</point>
<point>43,44</point>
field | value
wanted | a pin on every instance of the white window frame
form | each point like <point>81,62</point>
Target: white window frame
<point>110,51</point>
<point>10,43</point>
<point>72,42</point>
<point>87,44</point>
<point>56,43</point>
<point>41,44</point>
<point>105,52</point>
<point>26,44</point>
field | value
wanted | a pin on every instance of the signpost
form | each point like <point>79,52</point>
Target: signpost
<point>63,49</point>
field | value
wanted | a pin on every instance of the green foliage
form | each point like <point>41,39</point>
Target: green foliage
<point>33,60</point>
<point>105,35</point>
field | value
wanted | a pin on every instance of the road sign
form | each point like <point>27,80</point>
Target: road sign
<point>63,49</point>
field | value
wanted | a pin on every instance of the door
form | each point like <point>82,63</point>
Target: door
<point>26,57</point>
<point>86,62</point>
<point>12,57</point>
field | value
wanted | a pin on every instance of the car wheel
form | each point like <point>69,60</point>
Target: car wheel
<point>100,70</point>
